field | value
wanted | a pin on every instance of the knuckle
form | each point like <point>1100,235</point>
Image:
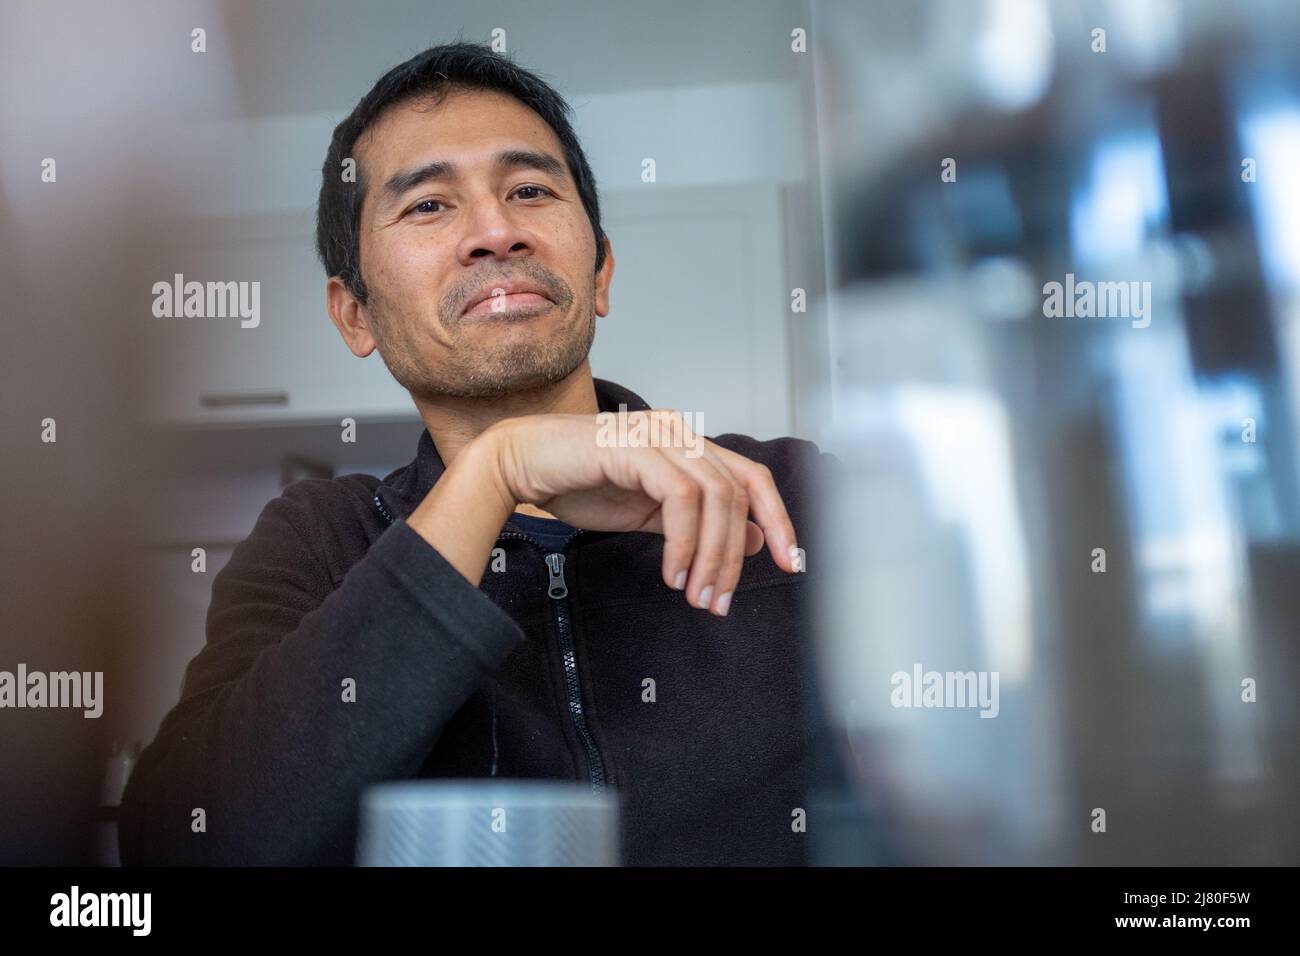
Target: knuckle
<point>718,487</point>
<point>684,488</point>
<point>710,555</point>
<point>671,419</point>
<point>684,544</point>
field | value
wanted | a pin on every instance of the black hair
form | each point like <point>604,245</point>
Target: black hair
<point>433,74</point>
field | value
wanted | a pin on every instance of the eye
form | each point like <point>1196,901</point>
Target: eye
<point>542,189</point>
<point>419,207</point>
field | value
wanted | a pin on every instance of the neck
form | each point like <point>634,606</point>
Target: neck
<point>454,422</point>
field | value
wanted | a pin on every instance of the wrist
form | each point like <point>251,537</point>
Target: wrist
<point>488,457</point>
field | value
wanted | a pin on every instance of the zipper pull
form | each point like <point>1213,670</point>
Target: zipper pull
<point>556,588</point>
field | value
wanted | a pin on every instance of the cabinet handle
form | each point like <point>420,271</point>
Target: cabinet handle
<point>226,399</point>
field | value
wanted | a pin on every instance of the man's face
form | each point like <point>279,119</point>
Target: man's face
<point>500,211</point>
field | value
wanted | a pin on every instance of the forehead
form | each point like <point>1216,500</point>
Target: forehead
<point>467,127</point>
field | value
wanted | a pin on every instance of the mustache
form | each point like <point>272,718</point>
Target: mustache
<point>556,289</point>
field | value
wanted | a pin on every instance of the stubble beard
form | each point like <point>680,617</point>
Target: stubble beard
<point>519,364</point>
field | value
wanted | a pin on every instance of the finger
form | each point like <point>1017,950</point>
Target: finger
<point>715,521</point>
<point>765,504</point>
<point>680,499</point>
<point>754,539</point>
<point>742,536</point>
<point>734,558</point>
<point>679,516</point>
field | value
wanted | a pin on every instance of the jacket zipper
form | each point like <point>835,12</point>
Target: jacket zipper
<point>558,591</point>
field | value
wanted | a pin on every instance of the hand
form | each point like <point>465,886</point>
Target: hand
<point>698,495</point>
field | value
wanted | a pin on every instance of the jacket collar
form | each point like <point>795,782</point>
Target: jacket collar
<point>405,488</point>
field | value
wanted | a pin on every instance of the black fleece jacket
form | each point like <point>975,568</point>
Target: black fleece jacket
<point>500,680</point>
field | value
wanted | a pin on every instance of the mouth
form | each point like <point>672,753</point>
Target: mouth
<point>508,302</point>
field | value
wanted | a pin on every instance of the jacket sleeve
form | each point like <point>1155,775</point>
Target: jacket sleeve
<point>263,740</point>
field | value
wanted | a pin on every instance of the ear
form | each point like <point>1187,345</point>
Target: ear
<point>603,278</point>
<point>349,317</point>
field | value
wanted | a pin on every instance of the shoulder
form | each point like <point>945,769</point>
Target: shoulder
<point>327,521</point>
<point>795,463</point>
<point>800,470</point>
<point>308,502</point>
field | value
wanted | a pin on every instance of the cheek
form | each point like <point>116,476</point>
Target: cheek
<point>579,243</point>
<point>405,270</point>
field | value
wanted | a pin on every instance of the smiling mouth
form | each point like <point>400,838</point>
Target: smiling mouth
<point>511,303</point>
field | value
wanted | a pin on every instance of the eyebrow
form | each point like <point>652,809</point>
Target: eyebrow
<point>402,182</point>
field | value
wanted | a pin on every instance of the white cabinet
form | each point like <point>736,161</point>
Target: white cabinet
<point>292,366</point>
<point>699,304</point>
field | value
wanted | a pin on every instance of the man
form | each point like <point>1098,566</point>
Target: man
<point>642,624</point>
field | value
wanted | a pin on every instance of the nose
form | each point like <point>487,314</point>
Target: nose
<point>492,230</point>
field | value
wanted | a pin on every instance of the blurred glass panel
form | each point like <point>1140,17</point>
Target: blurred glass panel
<point>1065,533</point>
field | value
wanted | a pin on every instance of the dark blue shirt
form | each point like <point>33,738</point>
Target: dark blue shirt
<point>550,533</point>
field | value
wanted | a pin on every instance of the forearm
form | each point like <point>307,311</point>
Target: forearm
<point>462,515</point>
<point>287,716</point>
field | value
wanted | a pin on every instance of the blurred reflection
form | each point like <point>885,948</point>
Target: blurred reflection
<point>1065,402</point>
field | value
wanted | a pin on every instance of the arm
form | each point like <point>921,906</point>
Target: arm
<point>462,514</point>
<point>262,739</point>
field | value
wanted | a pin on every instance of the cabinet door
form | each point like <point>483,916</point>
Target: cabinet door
<point>698,305</point>
<point>292,366</point>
